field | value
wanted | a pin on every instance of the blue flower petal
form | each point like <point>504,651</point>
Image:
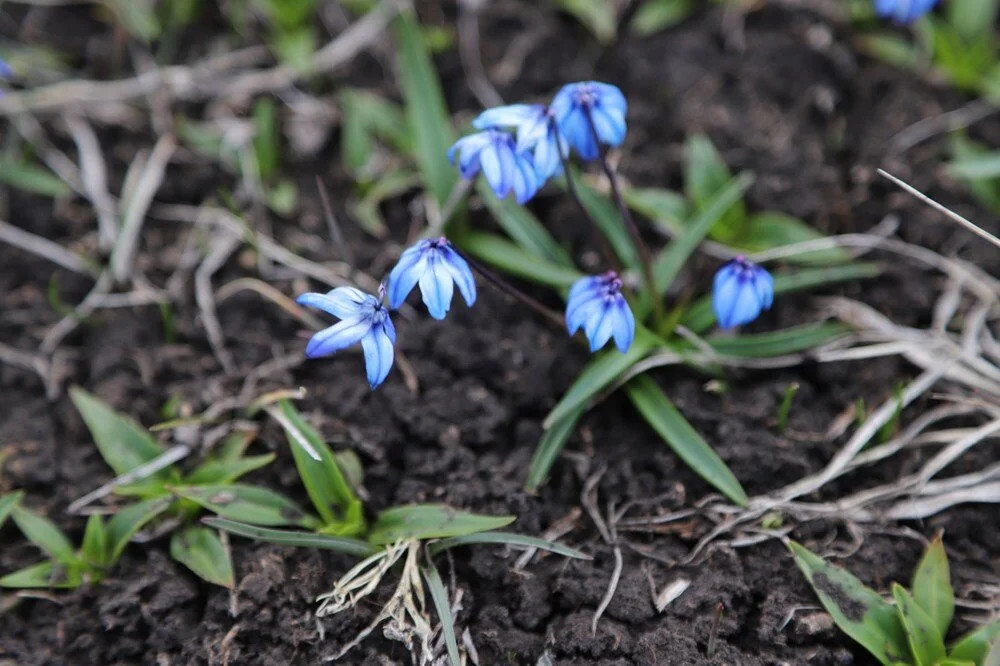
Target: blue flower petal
<point>510,115</point>
<point>341,335</point>
<point>460,273</point>
<point>405,274</point>
<point>609,124</point>
<point>342,302</point>
<point>378,350</point>
<point>437,288</point>
<point>623,325</point>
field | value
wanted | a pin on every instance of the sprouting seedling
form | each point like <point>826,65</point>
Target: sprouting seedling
<point>419,532</point>
<point>145,470</point>
<point>786,406</point>
<point>913,629</point>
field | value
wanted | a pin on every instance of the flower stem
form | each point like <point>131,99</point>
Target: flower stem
<point>509,289</point>
<point>645,258</point>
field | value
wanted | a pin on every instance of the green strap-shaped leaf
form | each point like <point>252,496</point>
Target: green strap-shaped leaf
<point>705,175</point>
<point>294,538</point>
<point>770,229</point>
<point>201,551</point>
<point>932,586</point>
<point>665,208</point>
<point>7,504</point>
<point>124,524</point>
<point>926,642</point>
<point>856,609</point>
<point>608,220</point>
<point>683,439</point>
<point>974,645</point>
<point>324,481</point>
<point>548,449</point>
<point>517,261</point>
<point>32,178</point>
<point>217,472</point>
<point>42,532</point>
<point>123,443</point>
<point>45,574</point>
<point>598,374</point>
<point>439,595</point>
<point>430,521</point>
<point>95,542</point>
<point>777,343</point>
<point>526,230</point>
<point>507,539</point>
<point>250,504</point>
<point>425,109</point>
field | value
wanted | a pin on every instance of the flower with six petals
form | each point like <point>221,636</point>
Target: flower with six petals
<point>363,319</point>
<point>596,303</point>
<point>740,292</point>
<point>437,268</point>
<point>583,110</point>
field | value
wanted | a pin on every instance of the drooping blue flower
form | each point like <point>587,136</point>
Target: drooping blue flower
<point>741,291</point>
<point>596,303</point>
<point>536,132</point>
<point>363,319</point>
<point>437,267</point>
<point>578,105</point>
<point>903,11</point>
<point>494,152</point>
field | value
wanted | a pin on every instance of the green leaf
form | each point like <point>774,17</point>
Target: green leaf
<point>656,15</point>
<point>298,539</point>
<point>705,176</point>
<point>891,48</point>
<point>250,504</point>
<point>324,481</point>
<point>598,16</point>
<point>124,524</point>
<point>857,610</point>
<point>219,472</point>
<point>45,574</point>
<point>365,116</point>
<point>507,539</point>
<point>992,657</point>
<point>665,208</point>
<point>599,373</point>
<point>137,17</point>
<point>430,521</point>
<point>932,586</point>
<point>986,190</point>
<point>675,430</point>
<point>699,318</point>
<point>95,542</point>
<point>777,343</point>
<point>955,662</point>
<point>981,166</point>
<point>201,551</point>
<point>972,19</point>
<point>266,140</point>
<point>123,443</point>
<point>974,645</point>
<point>426,112</point>
<point>42,532</point>
<point>769,230</point>
<point>926,642</point>
<point>669,263</point>
<point>7,504</point>
<point>549,447</point>
<point>607,219</point>
<point>439,595</point>
<point>33,178</point>
<point>526,230</point>
<point>512,259</point>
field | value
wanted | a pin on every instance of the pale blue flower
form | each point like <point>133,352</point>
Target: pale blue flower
<point>903,11</point>
<point>494,152</point>
<point>363,319</point>
<point>596,303</point>
<point>741,291</point>
<point>437,267</point>
<point>578,105</point>
<point>536,131</point>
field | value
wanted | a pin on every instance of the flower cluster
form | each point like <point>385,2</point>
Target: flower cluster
<point>903,11</point>
<point>580,117</point>
<point>432,264</point>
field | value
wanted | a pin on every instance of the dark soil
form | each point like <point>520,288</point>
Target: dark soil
<point>796,105</point>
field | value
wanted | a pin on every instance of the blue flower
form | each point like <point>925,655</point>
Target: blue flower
<point>903,11</point>
<point>494,152</point>
<point>437,267</point>
<point>596,303</point>
<point>362,318</point>
<point>578,105</point>
<point>536,132</point>
<point>742,289</point>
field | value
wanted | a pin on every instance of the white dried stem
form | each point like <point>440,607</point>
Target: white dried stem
<point>43,247</point>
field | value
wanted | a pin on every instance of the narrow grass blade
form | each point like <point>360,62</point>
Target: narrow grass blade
<point>926,643</point>
<point>33,178</point>
<point>507,539</point>
<point>777,343</point>
<point>548,449</point>
<point>683,439</point>
<point>599,373</point>
<point>526,230</point>
<point>699,318</point>
<point>258,506</point>
<point>201,551</point>
<point>932,588</point>
<point>439,595</point>
<point>857,610</point>
<point>124,524</point>
<point>45,574</point>
<point>430,521</point>
<point>226,471</point>
<point>294,538</point>
<point>426,112</point>
<point>517,261</point>
<point>42,532</point>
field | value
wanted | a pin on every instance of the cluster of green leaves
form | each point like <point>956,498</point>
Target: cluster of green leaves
<point>712,206</point>
<point>960,43</point>
<point>979,168</point>
<point>913,630</point>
